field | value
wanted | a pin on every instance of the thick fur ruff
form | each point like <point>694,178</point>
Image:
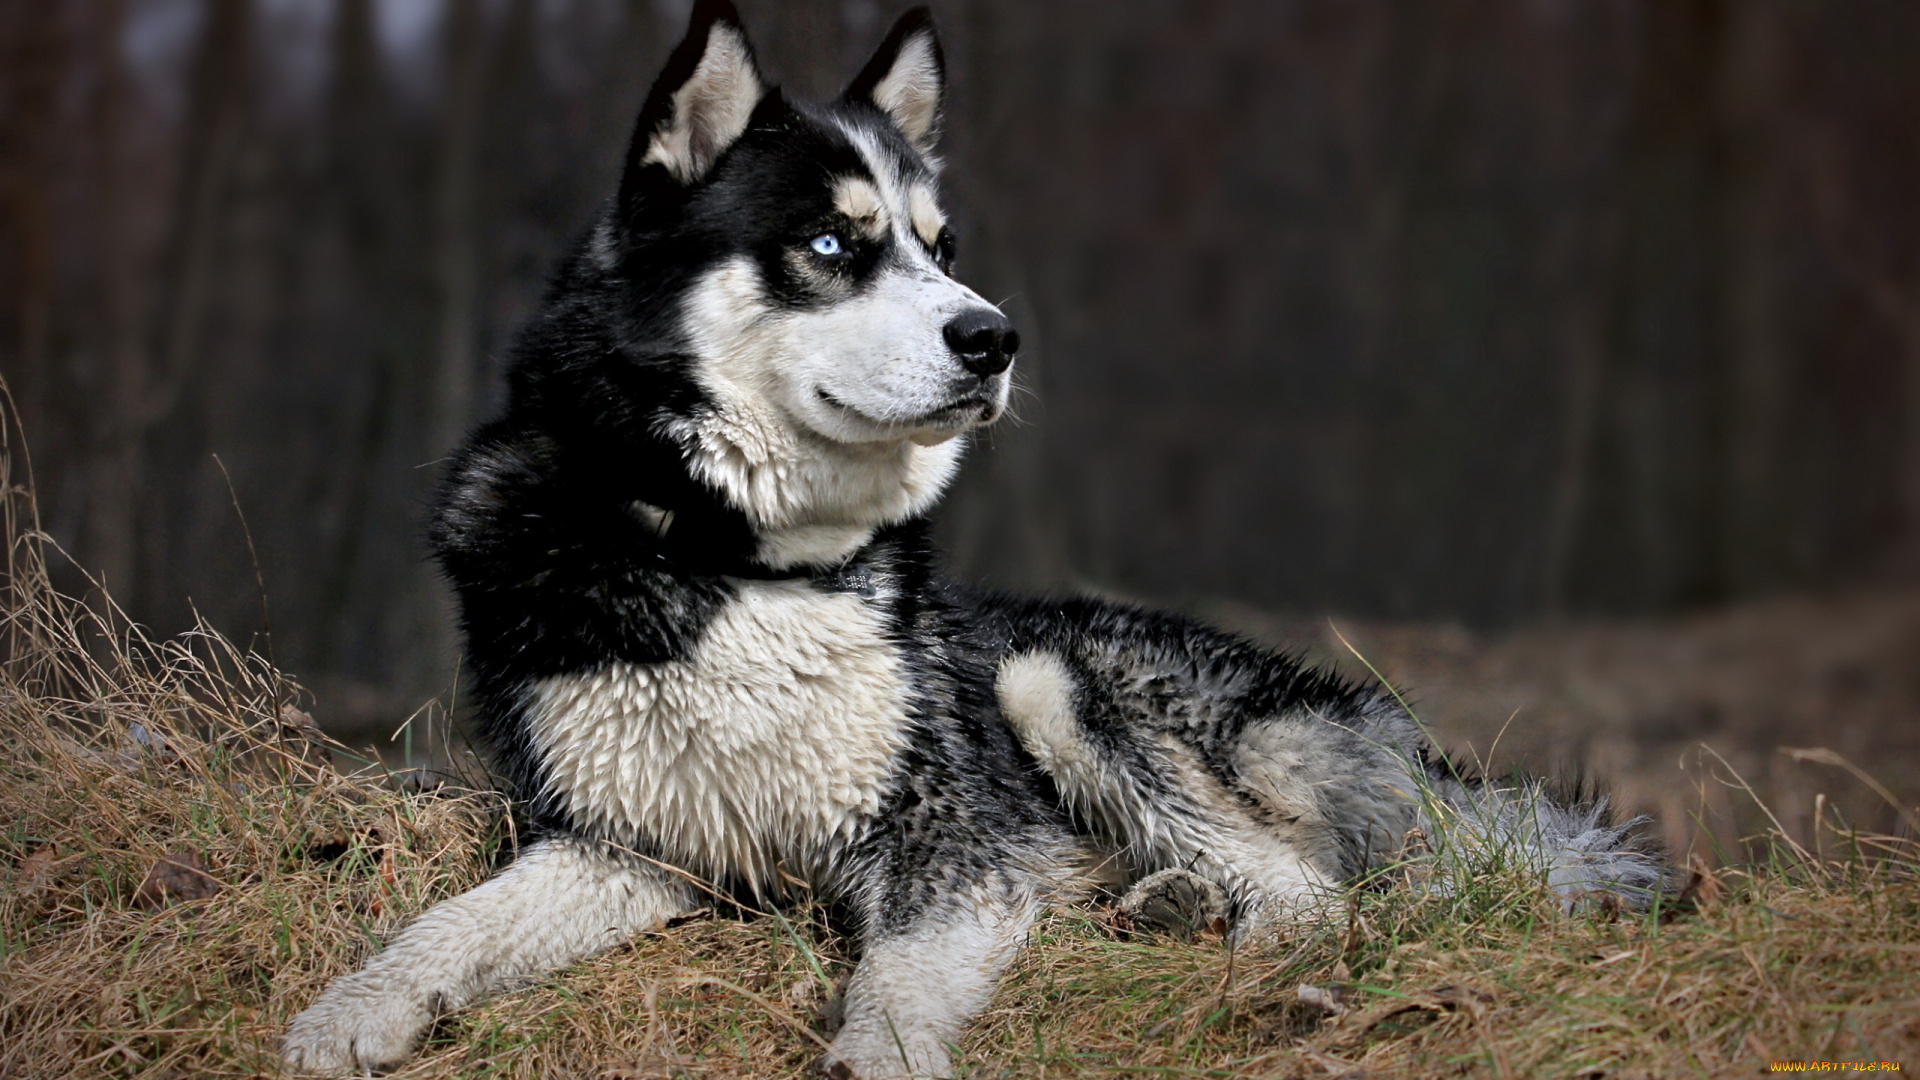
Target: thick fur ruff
<point>705,629</point>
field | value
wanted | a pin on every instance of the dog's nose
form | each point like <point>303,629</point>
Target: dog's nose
<point>984,340</point>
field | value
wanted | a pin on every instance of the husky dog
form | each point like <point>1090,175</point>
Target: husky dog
<point>708,642</point>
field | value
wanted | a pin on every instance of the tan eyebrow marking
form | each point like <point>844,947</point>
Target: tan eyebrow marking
<point>928,218</point>
<point>860,201</point>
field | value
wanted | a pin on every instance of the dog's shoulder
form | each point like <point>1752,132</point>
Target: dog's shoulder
<point>557,568</point>
<point>488,486</point>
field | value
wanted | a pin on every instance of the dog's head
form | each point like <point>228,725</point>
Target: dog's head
<point>800,256</point>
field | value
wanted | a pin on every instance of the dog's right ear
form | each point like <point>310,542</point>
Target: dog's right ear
<point>701,102</point>
<point>906,79</point>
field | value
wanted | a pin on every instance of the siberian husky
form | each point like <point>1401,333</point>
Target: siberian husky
<point>708,640</point>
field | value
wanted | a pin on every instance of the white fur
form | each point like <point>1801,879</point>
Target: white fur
<point>845,416</point>
<point>710,110</point>
<point>772,741</point>
<point>787,458</point>
<point>1036,695</point>
<point>810,544</point>
<point>1213,835</point>
<point>910,92</point>
<point>559,901</point>
<point>602,247</point>
<point>923,210</point>
<point>912,994</point>
<point>860,201</point>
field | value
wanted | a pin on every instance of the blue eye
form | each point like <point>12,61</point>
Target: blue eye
<point>826,244</point>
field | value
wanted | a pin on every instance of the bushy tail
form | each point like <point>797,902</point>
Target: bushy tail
<point>1572,843</point>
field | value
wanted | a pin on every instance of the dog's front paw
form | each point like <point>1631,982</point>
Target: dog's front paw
<point>1176,903</point>
<point>862,1057</point>
<point>356,1029</point>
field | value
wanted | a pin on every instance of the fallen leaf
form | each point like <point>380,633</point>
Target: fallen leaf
<point>37,869</point>
<point>805,995</point>
<point>1449,998</point>
<point>647,1067</point>
<point>1464,999</point>
<point>1336,1068</point>
<point>1332,1000</point>
<point>1703,886</point>
<point>303,737</point>
<point>179,876</point>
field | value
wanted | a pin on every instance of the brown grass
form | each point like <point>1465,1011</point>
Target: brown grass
<point>279,867</point>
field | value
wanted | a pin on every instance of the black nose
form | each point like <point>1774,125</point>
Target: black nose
<point>984,341</point>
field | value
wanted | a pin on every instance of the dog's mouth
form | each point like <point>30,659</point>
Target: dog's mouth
<point>962,413</point>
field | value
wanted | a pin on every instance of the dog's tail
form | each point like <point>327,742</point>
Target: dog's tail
<point>1569,839</point>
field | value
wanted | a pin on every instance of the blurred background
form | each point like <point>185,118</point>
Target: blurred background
<point>1561,355</point>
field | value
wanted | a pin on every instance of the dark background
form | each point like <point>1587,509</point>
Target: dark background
<point>1508,314</point>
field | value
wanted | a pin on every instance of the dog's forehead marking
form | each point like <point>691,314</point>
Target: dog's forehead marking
<point>858,199</point>
<point>915,213</point>
<point>925,213</point>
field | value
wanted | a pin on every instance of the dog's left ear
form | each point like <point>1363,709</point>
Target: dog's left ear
<point>906,79</point>
<point>702,100</point>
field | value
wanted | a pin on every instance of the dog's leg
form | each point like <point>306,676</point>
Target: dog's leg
<point>1150,796</point>
<point>917,987</point>
<point>562,899</point>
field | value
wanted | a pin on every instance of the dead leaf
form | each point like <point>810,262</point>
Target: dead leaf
<point>1336,1068</point>
<point>37,869</point>
<point>1464,999</point>
<point>332,849</point>
<point>1448,998</point>
<point>647,1067</point>
<point>303,737</point>
<point>1331,1000</point>
<point>699,914</point>
<point>1703,889</point>
<point>1703,886</point>
<point>179,876</point>
<point>804,995</point>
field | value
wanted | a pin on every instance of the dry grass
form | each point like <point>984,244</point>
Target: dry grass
<point>279,870</point>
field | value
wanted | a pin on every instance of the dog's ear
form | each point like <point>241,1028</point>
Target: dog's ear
<point>906,79</point>
<point>702,100</point>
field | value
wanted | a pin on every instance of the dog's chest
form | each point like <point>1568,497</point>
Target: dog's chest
<point>775,738</point>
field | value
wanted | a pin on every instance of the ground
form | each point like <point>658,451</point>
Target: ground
<point>185,861</point>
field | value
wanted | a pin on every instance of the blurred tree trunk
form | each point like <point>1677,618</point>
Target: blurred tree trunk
<point>1696,32</point>
<point>1753,395</point>
<point>455,259</point>
<point>1582,333</point>
<point>1003,522</point>
<point>359,178</point>
<point>217,104</point>
<point>1654,516</point>
<point>211,142</point>
<point>114,505</point>
<point>33,56</point>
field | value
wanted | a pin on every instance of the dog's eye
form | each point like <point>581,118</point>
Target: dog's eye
<point>826,244</point>
<point>943,248</point>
